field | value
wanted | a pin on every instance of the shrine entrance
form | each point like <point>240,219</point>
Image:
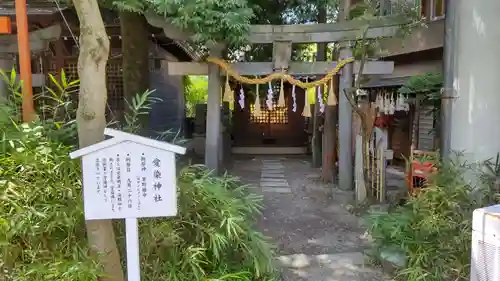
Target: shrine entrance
<point>273,126</point>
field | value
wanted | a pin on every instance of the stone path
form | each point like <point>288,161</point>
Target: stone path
<point>272,176</point>
<point>317,238</point>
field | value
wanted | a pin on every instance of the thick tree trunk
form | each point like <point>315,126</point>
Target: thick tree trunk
<point>91,121</point>
<point>135,48</point>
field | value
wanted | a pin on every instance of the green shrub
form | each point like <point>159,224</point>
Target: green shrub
<point>42,228</point>
<point>212,237</point>
<point>433,230</point>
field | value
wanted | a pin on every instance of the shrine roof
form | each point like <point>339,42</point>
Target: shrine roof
<point>34,7</point>
<point>119,137</point>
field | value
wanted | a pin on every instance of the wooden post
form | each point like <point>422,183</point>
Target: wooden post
<point>317,141</point>
<point>345,126</point>
<point>25,60</point>
<point>345,110</point>
<point>213,127</point>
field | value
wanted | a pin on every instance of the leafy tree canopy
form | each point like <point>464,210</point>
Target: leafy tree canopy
<point>209,20</point>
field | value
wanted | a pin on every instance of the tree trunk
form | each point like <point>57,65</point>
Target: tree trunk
<point>91,121</point>
<point>135,48</point>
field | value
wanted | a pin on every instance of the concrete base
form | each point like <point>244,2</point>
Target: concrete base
<point>261,150</point>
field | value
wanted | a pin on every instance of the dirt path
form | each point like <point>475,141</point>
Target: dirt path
<point>317,239</point>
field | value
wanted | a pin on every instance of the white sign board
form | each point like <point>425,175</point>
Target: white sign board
<point>129,180</point>
<point>129,177</point>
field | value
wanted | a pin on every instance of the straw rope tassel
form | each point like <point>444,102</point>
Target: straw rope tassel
<point>228,93</point>
<point>256,107</point>
<point>332,99</point>
<point>281,99</point>
<point>307,107</point>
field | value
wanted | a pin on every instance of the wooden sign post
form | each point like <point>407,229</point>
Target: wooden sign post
<point>129,177</point>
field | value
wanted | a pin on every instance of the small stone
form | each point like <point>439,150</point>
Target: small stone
<point>349,208</point>
<point>379,208</point>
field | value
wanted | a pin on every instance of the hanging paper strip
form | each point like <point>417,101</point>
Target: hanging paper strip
<point>241,101</point>
<point>406,104</point>
<point>228,93</point>
<point>307,107</point>
<point>386,104</point>
<point>379,101</point>
<point>332,99</point>
<point>270,96</point>
<point>256,107</point>
<point>392,106</point>
<point>320,99</point>
<point>294,98</point>
<point>281,99</point>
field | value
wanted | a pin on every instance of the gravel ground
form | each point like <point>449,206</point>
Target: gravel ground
<point>317,238</point>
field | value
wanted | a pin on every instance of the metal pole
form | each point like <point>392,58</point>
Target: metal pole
<point>448,95</point>
<point>25,60</point>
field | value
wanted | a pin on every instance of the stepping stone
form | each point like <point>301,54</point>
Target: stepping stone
<point>281,176</point>
<point>273,171</point>
<point>274,184</point>
<point>273,167</point>
<point>277,189</point>
<point>272,180</point>
<point>271,161</point>
<point>272,175</point>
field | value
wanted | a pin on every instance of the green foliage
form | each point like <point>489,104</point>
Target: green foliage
<point>138,107</point>
<point>212,238</point>
<point>209,21</point>
<point>428,84</point>
<point>42,230</point>
<point>196,92</point>
<point>42,234</point>
<point>433,229</point>
<point>427,88</point>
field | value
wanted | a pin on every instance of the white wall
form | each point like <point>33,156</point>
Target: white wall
<point>476,112</point>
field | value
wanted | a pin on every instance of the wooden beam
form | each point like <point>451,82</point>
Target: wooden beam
<point>265,68</point>
<point>38,39</point>
<point>321,37</point>
<point>326,32</point>
<point>298,33</point>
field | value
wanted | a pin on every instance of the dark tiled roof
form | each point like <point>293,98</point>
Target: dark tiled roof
<point>49,7</point>
<point>35,7</point>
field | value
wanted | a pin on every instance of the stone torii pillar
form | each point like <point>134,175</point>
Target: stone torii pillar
<point>213,141</point>
<point>475,115</point>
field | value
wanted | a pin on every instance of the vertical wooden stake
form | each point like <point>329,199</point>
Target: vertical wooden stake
<point>132,240</point>
<point>25,60</point>
<point>360,184</point>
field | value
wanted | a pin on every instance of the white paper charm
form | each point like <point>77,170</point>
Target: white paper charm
<point>270,96</point>
<point>294,98</point>
<point>320,100</point>
<point>241,101</point>
<point>392,106</point>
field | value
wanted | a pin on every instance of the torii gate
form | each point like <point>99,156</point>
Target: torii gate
<point>282,37</point>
